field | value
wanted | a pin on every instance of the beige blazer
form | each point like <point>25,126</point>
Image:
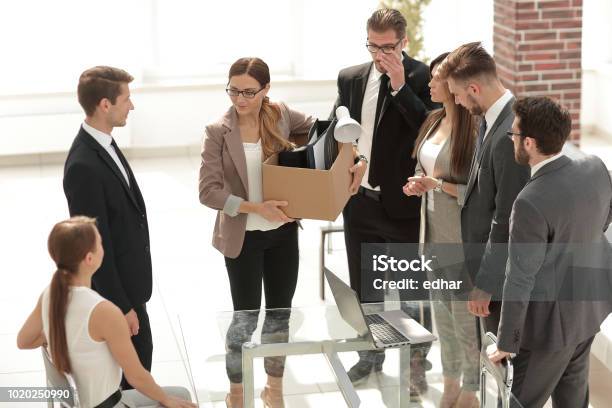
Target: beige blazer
<point>444,224</point>
<point>223,173</point>
<point>440,232</point>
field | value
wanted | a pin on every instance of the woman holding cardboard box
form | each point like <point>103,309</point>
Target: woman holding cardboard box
<point>258,240</point>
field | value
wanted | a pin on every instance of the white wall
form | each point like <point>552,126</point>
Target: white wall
<point>450,23</point>
<point>597,66</point>
<point>163,116</point>
<point>176,115</point>
<point>597,100</point>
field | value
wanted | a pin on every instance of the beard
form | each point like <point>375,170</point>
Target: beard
<point>520,154</point>
<point>474,108</point>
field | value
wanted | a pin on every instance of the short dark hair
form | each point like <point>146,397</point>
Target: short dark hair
<point>544,120</point>
<point>467,62</point>
<point>98,83</point>
<point>387,19</point>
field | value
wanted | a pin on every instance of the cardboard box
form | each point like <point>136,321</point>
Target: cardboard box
<point>312,194</point>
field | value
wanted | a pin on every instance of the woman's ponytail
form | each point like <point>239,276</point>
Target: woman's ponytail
<point>58,305</point>
<point>69,243</point>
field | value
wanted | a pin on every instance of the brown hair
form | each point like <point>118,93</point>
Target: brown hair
<point>271,139</point>
<point>467,62</point>
<point>462,133</point>
<point>544,120</point>
<point>387,19</point>
<point>98,83</point>
<point>69,242</point>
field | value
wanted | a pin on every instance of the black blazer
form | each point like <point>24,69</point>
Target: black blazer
<point>95,187</point>
<point>396,131</point>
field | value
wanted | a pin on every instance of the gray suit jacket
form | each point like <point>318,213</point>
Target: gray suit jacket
<point>565,204</point>
<point>494,182</point>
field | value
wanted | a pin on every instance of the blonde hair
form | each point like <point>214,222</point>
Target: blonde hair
<point>271,139</point>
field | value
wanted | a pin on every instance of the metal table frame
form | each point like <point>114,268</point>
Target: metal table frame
<point>330,349</point>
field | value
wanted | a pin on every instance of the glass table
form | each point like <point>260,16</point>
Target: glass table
<point>321,330</point>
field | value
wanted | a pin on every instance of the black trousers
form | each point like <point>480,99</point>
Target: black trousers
<point>143,342</point>
<point>366,221</point>
<point>562,375</point>
<point>270,258</point>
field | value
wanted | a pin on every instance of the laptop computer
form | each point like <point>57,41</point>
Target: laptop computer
<point>390,328</point>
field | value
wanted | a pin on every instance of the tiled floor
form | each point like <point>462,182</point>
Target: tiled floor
<point>190,276</point>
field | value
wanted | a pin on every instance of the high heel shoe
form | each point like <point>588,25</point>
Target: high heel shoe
<point>272,395</point>
<point>235,399</point>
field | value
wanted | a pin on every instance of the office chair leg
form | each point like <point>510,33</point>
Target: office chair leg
<point>321,267</point>
<point>329,240</point>
<point>483,387</point>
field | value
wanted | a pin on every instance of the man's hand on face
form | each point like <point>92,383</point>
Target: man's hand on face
<point>392,63</point>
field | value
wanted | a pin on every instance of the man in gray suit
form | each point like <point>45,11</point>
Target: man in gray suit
<point>495,178</point>
<point>566,203</point>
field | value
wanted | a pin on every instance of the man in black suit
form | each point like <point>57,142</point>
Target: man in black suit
<point>390,98</point>
<point>98,182</point>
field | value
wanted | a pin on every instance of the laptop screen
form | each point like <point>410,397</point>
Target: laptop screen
<point>348,303</point>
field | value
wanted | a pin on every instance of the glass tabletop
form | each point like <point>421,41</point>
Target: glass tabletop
<point>304,324</point>
<point>212,349</point>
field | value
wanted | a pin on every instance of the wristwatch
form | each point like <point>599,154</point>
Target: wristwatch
<point>362,158</point>
<point>438,188</point>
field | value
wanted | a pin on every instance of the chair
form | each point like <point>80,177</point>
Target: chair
<point>55,379</point>
<point>502,373</point>
<point>325,231</point>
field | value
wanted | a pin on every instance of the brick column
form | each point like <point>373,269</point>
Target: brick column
<point>537,48</point>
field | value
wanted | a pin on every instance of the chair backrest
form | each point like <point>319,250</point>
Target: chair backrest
<point>56,379</point>
<point>502,373</point>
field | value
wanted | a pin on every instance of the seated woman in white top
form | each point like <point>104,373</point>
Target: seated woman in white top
<point>88,336</point>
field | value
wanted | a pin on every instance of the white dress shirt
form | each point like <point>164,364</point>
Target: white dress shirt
<point>368,116</point>
<point>493,112</point>
<point>253,154</point>
<point>543,163</point>
<point>105,141</point>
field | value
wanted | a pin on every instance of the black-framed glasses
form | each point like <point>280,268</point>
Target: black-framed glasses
<point>386,49</point>
<point>247,93</point>
<point>510,134</point>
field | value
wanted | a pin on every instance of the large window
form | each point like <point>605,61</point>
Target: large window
<point>47,44</point>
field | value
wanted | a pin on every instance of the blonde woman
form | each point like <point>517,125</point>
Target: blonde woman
<point>259,242</point>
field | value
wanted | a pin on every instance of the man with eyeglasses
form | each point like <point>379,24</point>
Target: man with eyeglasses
<point>551,308</point>
<point>390,98</point>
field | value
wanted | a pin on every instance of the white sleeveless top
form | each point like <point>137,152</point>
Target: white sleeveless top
<point>253,154</point>
<point>96,373</point>
<point>428,155</point>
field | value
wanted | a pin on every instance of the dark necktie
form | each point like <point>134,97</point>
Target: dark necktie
<point>481,134</point>
<point>125,164</point>
<point>383,92</point>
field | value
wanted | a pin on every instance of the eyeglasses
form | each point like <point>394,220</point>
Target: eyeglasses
<point>247,93</point>
<point>386,49</point>
<point>510,134</point>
